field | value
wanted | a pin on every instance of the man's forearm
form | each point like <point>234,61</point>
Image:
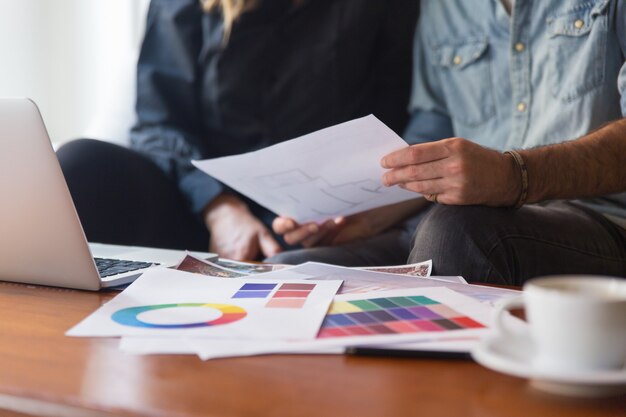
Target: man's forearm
<point>590,166</point>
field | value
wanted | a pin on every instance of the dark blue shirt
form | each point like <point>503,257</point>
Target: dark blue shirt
<point>288,68</point>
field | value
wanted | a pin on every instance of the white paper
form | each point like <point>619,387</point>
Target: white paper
<point>216,349</point>
<point>169,298</point>
<point>213,348</point>
<point>451,279</point>
<point>419,269</point>
<point>466,306</point>
<point>363,281</point>
<point>354,280</point>
<point>461,304</point>
<point>332,172</point>
<point>358,282</point>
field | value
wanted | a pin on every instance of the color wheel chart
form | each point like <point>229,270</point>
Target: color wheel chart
<point>129,316</point>
<point>392,315</point>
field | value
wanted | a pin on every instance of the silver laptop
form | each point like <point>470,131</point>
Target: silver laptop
<point>41,238</point>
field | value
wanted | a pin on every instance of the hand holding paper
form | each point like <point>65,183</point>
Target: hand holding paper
<point>341,230</point>
<point>330,173</point>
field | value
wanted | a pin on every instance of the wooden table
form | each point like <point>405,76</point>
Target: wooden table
<point>42,372</point>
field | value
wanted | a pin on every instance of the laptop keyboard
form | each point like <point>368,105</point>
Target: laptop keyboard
<point>108,267</point>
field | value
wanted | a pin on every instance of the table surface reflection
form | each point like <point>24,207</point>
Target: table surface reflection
<point>43,372</point>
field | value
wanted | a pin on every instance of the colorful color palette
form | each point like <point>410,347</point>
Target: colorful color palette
<point>254,290</point>
<point>290,296</point>
<point>129,316</point>
<point>392,315</point>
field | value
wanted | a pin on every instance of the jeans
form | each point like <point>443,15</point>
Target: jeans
<point>504,246</point>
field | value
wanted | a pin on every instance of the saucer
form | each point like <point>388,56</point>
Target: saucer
<point>513,356</point>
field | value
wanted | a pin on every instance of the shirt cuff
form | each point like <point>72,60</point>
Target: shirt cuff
<point>199,189</point>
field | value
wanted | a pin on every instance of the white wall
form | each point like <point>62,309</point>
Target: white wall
<point>76,59</point>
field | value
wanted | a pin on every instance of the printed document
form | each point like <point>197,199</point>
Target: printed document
<point>326,174</point>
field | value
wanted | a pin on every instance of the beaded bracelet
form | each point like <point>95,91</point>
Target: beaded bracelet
<point>519,161</point>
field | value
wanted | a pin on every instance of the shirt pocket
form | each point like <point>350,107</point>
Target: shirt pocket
<point>465,72</point>
<point>577,54</point>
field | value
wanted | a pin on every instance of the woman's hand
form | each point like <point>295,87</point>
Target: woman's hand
<point>342,230</point>
<point>454,171</point>
<point>307,234</point>
<point>235,232</point>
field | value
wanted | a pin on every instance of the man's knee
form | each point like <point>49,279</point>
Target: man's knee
<point>290,257</point>
<point>457,238</point>
<point>448,225</point>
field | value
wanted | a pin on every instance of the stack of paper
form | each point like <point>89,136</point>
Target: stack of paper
<point>231,308</point>
<point>170,303</point>
<point>308,179</point>
<point>309,308</point>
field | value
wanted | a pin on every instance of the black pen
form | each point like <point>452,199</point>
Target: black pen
<point>405,353</point>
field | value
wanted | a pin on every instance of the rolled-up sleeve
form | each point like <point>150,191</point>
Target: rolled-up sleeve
<point>168,128</point>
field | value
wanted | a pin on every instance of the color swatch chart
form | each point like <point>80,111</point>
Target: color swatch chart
<point>392,315</point>
<point>287,296</point>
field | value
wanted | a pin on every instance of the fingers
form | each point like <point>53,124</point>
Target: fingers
<point>268,245</point>
<point>426,187</point>
<point>410,173</point>
<point>301,233</point>
<point>325,230</point>
<point>415,154</point>
<point>308,234</point>
<point>282,225</point>
<point>292,232</point>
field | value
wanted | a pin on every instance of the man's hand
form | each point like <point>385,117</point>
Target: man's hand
<point>345,229</point>
<point>235,232</point>
<point>456,171</point>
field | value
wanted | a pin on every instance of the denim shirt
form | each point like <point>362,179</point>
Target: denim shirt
<point>551,71</point>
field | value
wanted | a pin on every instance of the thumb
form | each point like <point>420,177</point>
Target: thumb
<point>282,225</point>
<point>269,245</point>
<point>339,221</point>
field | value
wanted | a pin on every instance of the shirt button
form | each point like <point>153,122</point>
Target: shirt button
<point>519,47</point>
<point>521,107</point>
<point>579,24</point>
<point>457,60</point>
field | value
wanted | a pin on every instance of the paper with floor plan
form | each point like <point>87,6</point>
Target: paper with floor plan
<point>169,303</point>
<point>332,172</point>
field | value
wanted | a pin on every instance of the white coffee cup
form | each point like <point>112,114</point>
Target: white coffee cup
<point>575,323</point>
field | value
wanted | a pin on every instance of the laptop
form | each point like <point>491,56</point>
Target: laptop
<point>41,239</point>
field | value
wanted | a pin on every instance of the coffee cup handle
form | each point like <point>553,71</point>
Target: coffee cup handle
<point>504,307</point>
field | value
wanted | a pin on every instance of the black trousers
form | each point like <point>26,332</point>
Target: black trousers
<point>124,198</point>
